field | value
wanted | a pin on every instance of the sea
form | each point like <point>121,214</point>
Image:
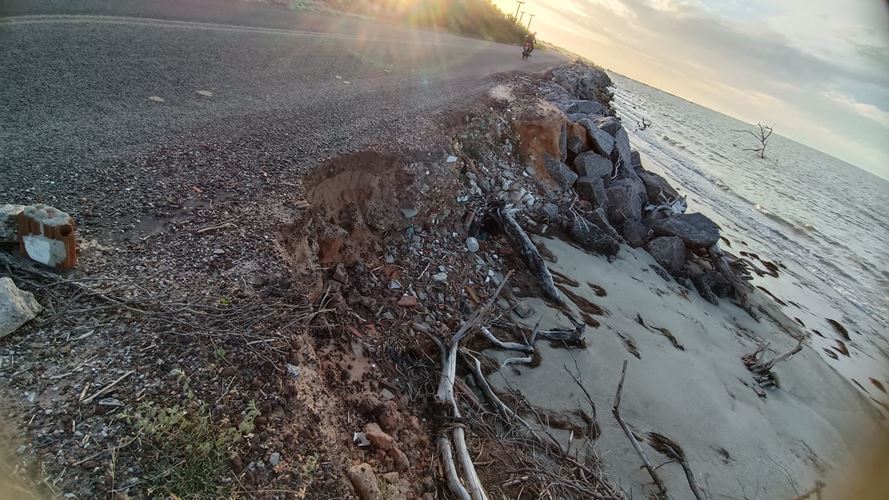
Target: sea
<point>823,221</point>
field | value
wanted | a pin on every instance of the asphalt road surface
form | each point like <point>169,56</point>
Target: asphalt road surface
<point>91,82</point>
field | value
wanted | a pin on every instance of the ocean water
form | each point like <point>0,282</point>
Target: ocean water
<point>824,221</point>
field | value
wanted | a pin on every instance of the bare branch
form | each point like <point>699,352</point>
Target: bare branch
<point>615,410</point>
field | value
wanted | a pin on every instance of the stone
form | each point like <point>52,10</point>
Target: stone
<point>625,200</point>
<point>696,230</point>
<point>274,459</point>
<point>601,141</point>
<point>339,274</point>
<point>522,310</point>
<point>657,188</point>
<point>563,176</point>
<point>600,219</point>
<point>9,224</point>
<point>591,164</point>
<point>17,307</point>
<point>592,190</point>
<point>635,159</point>
<point>581,106</point>
<point>399,459</point>
<point>635,232</point>
<point>578,141</point>
<point>409,212</point>
<point>442,276</point>
<point>591,237</point>
<point>669,252</point>
<point>408,301</point>
<point>46,235</point>
<point>609,124</point>
<point>583,82</point>
<point>364,481</point>
<point>377,437</point>
<point>550,211</point>
<point>621,156</point>
<point>472,244</point>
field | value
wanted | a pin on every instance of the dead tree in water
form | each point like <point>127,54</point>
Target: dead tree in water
<point>762,136</point>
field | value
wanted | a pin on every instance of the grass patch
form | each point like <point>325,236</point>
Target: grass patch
<point>187,451</point>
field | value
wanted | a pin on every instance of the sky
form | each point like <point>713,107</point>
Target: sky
<point>817,70</point>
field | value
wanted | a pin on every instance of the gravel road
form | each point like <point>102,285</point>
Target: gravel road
<point>87,84</point>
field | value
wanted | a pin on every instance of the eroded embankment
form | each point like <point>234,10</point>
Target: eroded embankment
<point>597,254</point>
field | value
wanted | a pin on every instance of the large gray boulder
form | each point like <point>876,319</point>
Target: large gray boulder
<point>16,307</point>
<point>592,237</point>
<point>601,141</point>
<point>580,106</point>
<point>696,230</point>
<point>560,173</point>
<point>669,252</point>
<point>657,188</point>
<point>621,156</point>
<point>625,200</point>
<point>635,232</point>
<point>583,81</point>
<point>592,189</point>
<point>600,219</point>
<point>9,222</point>
<point>635,160</point>
<point>590,164</point>
<point>609,124</point>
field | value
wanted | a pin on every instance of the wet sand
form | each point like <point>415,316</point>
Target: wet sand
<point>700,395</point>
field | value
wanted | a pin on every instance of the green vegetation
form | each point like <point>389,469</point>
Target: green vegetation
<point>475,18</point>
<point>188,453</point>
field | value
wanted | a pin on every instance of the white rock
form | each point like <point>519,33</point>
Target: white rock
<point>452,159</point>
<point>16,307</point>
<point>274,459</point>
<point>472,244</point>
<point>440,277</point>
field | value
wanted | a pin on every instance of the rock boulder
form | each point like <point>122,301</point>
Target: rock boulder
<point>657,188</point>
<point>591,237</point>
<point>364,481</point>
<point>590,164</point>
<point>16,307</point>
<point>625,200</point>
<point>669,252</point>
<point>696,230</point>
<point>592,189</point>
<point>601,141</point>
<point>560,173</point>
<point>578,141</point>
<point>635,232</point>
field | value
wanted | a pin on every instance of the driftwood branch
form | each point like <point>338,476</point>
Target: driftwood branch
<point>741,287</point>
<point>518,238</point>
<point>762,369</point>
<point>674,452</point>
<point>615,410</point>
<point>456,443</point>
<point>509,346</point>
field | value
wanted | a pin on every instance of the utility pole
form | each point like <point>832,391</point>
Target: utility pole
<point>529,21</point>
<point>519,6</point>
<point>521,17</point>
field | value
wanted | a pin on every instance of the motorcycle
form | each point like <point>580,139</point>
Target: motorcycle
<point>526,51</point>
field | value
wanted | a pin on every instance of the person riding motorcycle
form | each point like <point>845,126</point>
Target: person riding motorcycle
<point>528,47</point>
<point>530,42</point>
